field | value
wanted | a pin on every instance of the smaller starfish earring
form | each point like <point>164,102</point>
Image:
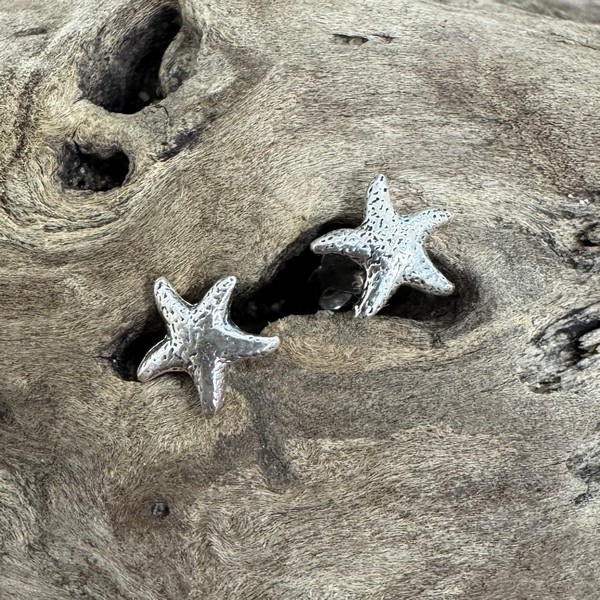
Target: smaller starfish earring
<point>201,340</point>
<point>390,247</point>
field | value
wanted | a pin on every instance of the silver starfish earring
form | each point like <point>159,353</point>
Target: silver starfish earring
<point>201,340</point>
<point>390,247</point>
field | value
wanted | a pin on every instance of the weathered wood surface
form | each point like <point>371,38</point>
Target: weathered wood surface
<point>452,454</point>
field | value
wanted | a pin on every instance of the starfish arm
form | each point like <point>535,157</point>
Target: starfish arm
<point>422,274</point>
<point>159,360</point>
<point>347,242</point>
<point>216,302</point>
<point>173,308</point>
<point>425,221</point>
<point>379,204</point>
<point>380,283</point>
<point>242,345</point>
<point>209,378</point>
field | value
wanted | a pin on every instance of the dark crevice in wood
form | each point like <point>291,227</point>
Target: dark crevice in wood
<point>182,140</point>
<point>584,463</point>
<point>582,498</point>
<point>294,289</point>
<point>590,237</point>
<point>189,138</point>
<point>160,510</point>
<point>357,39</point>
<point>350,40</point>
<point>98,170</point>
<point>564,348</point>
<point>410,303</point>
<point>132,345</point>
<point>122,74</point>
<point>298,282</point>
<point>291,290</point>
<point>32,31</point>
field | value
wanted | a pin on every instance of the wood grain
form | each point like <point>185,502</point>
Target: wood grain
<point>439,451</point>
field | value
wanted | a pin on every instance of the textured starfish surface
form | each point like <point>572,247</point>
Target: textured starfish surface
<point>390,247</point>
<point>201,340</point>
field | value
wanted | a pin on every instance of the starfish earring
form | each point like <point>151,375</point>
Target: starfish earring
<point>390,247</point>
<point>201,340</point>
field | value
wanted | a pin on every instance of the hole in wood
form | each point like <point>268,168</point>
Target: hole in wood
<point>307,283</point>
<point>32,31</point>
<point>350,39</point>
<point>132,345</point>
<point>299,286</point>
<point>293,290</point>
<point>590,238</point>
<point>410,303</point>
<point>91,169</point>
<point>160,510</point>
<point>122,70</point>
<point>556,358</point>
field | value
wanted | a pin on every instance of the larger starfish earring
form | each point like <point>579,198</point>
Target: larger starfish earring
<point>201,340</point>
<point>390,247</point>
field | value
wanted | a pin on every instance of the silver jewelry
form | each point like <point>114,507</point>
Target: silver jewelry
<point>201,340</point>
<point>390,247</point>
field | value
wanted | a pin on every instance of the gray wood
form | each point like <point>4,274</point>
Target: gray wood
<point>451,450</point>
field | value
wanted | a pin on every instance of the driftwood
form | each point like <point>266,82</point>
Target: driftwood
<point>448,448</point>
